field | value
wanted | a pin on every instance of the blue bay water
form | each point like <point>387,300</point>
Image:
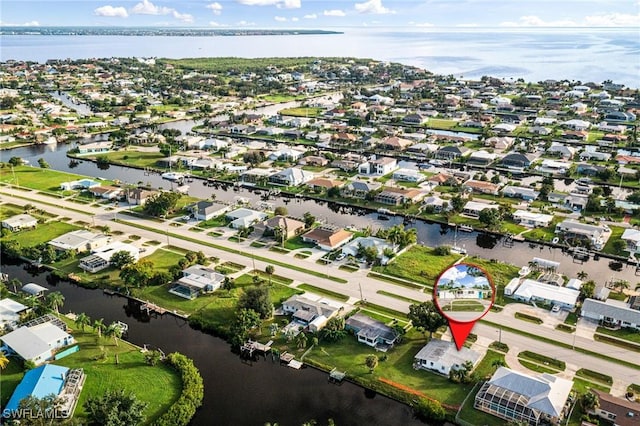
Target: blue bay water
<point>534,55</point>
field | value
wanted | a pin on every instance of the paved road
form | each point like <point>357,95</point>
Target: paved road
<point>359,286</point>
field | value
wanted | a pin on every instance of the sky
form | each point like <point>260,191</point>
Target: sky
<point>323,14</point>
<point>461,278</point>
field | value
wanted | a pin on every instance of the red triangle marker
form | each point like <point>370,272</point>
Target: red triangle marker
<point>460,331</point>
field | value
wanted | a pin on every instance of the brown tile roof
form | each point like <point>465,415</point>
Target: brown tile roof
<point>325,183</point>
<point>627,412</point>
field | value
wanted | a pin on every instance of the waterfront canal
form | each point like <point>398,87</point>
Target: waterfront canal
<point>236,392</point>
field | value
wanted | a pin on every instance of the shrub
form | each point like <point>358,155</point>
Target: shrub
<point>442,251</point>
<point>183,410</point>
<point>427,409</point>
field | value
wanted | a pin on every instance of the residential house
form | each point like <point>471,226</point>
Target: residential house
<point>378,167</point>
<point>531,291</point>
<point>473,208</point>
<point>100,258</point>
<point>10,312</point>
<point>481,187</point>
<point>617,411</point>
<point>291,227</point>
<point>504,128</point>
<point>436,203</point>
<point>381,245</point>
<point>371,332</point>
<point>553,167</point>
<point>79,241</point>
<point>395,143</point>
<point>327,237</point>
<point>443,179</point>
<point>319,184</point>
<point>256,176</point>
<point>482,158</point>
<point>515,396</point>
<point>292,176</point>
<point>244,218</point>
<point>441,357</point>
<point>19,222</point>
<point>95,147</point>
<point>345,165</point>
<point>452,152</point>
<point>531,219</point>
<point>578,125</point>
<point>587,155</point>
<point>139,196</point>
<point>106,192</point>
<point>79,184</point>
<point>587,169</point>
<point>408,175</point>
<point>415,119</point>
<point>312,314</point>
<point>41,382</point>
<point>612,313</point>
<point>562,150</point>
<point>516,160</point>
<point>359,189</point>
<point>197,279</point>
<point>631,237</point>
<point>314,160</point>
<point>522,192</point>
<point>37,340</point>
<point>34,289</point>
<point>343,138</point>
<point>499,143</point>
<point>397,196</point>
<point>286,154</point>
<point>573,229</point>
<point>205,210</point>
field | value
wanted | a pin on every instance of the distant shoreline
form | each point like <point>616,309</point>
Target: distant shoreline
<point>146,31</point>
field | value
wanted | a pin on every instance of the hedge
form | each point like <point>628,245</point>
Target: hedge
<point>183,410</point>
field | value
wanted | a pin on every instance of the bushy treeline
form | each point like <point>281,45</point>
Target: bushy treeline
<point>183,410</point>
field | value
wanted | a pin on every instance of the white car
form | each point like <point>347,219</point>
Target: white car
<point>556,308</point>
<point>341,256</point>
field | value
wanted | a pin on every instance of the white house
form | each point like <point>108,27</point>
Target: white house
<point>531,219</point>
<point>19,222</point>
<point>10,311</point>
<point>378,167</point>
<point>101,257</point>
<point>612,313</point>
<point>292,176</point>
<point>351,249</point>
<point>244,218</point>
<point>80,240</point>
<point>408,175</point>
<point>442,356</point>
<point>197,279</point>
<point>632,238</point>
<point>371,332</point>
<point>534,291</point>
<point>473,208</point>
<point>37,341</point>
<point>205,210</point>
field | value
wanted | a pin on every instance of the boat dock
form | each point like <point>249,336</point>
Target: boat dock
<point>250,347</point>
<point>336,376</point>
<point>151,308</point>
<point>289,359</point>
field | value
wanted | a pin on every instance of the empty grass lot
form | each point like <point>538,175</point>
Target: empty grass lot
<point>41,234</point>
<point>37,178</point>
<point>418,264</point>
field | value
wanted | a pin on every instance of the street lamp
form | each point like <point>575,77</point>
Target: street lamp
<point>500,335</point>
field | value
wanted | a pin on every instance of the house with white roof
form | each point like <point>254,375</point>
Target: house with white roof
<point>631,237</point>
<point>80,240</point>
<point>19,222</point>
<point>244,218</point>
<point>292,176</point>
<point>531,219</point>
<point>10,311</point>
<point>515,396</point>
<point>38,340</point>
<point>531,291</point>
<point>100,258</point>
<point>473,208</point>
<point>576,124</point>
<point>197,279</point>
<point>378,167</point>
<point>351,249</point>
<point>441,357</point>
<point>408,175</point>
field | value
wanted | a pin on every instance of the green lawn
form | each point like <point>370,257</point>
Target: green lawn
<point>163,259</point>
<point>41,234</point>
<point>477,417</point>
<point>297,243</point>
<point>133,158</point>
<point>594,376</point>
<point>536,367</point>
<point>11,377</point>
<point>485,368</point>
<point>542,359</point>
<point>623,333</point>
<point>8,210</point>
<point>616,233</point>
<point>441,124</point>
<point>302,112</point>
<point>396,296</point>
<point>323,292</point>
<point>582,386</point>
<point>37,178</point>
<point>281,98</point>
<point>216,222</point>
<point>158,386</point>
<point>418,264</point>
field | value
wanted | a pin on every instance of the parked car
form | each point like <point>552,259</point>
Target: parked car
<point>341,256</point>
<point>556,308</point>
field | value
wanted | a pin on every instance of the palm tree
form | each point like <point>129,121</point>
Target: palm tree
<point>55,301</point>
<point>621,285</point>
<point>82,320</point>
<point>98,326</point>
<point>270,269</point>
<point>4,361</point>
<point>301,340</point>
<point>582,275</point>
<point>114,330</point>
<point>589,401</point>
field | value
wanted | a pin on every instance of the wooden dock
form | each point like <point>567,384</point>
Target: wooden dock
<point>250,347</point>
<point>151,308</point>
<point>336,376</point>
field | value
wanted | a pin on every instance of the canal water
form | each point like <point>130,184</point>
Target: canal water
<point>431,234</point>
<point>236,392</point>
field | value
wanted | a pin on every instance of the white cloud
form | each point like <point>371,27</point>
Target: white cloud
<point>535,21</point>
<point>613,20</point>
<point>334,12</point>
<point>145,7</point>
<point>215,7</point>
<point>216,24</point>
<point>280,18</point>
<point>468,25</point>
<point>310,16</point>
<point>453,274</point>
<point>372,6</point>
<point>184,17</point>
<point>421,24</point>
<point>294,19</point>
<point>244,23</point>
<point>111,11</point>
<point>24,24</point>
<point>280,4</point>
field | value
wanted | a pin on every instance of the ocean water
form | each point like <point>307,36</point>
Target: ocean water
<point>533,54</point>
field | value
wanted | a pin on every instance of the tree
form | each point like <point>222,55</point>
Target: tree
<point>428,409</point>
<point>228,283</point>
<point>4,361</point>
<point>137,274</point>
<point>246,319</point>
<point>490,217</point>
<point>588,289</point>
<point>15,161</point>
<point>309,220</point>
<point>36,411</point>
<point>258,299</point>
<point>82,320</point>
<point>333,330</point>
<point>619,246</point>
<point>280,211</point>
<point>582,275</point>
<point>99,327</point>
<point>152,357</point>
<point>115,408</point>
<point>114,330</point>
<point>270,269</point>
<point>426,317</point>
<point>161,204</point>
<point>621,285</point>
<point>589,401</point>
<point>43,163</point>
<point>121,258</point>
<point>301,340</point>
<point>371,362</point>
<point>55,300</point>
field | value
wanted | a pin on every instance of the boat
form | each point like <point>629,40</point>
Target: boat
<point>524,271</point>
<point>458,250</point>
<point>50,140</point>
<point>384,211</point>
<point>383,217</point>
<point>466,228</point>
<point>555,240</point>
<point>172,176</point>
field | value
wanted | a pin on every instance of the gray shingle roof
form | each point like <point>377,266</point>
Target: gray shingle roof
<point>620,313</point>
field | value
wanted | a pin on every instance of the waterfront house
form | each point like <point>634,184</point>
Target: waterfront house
<point>314,160</point>
<point>561,150</point>
<point>291,227</point>
<point>482,158</point>
<point>395,143</point>
<point>523,192</point>
<point>292,176</point>
<point>95,147</point>
<point>408,175</point>
<point>359,189</point>
<point>444,179</point>
<point>617,411</point>
<point>515,396</point>
<point>79,184</point>
<point>516,160</point>
<point>195,280</point>
<point>531,219</point>
<point>531,291</point>
<point>632,239</point>
<point>244,218</point>
<point>553,167</point>
<point>286,154</point>
<point>10,312</point>
<point>499,143</point>
<point>473,208</point>
<point>139,196</point>
<point>256,176</point>
<point>381,246</point>
<point>378,167</point>
<point>320,184</point>
<point>79,241</point>
<point>612,313</point>
<point>481,187</point>
<point>572,229</point>
<point>41,382</point>
<point>441,357</point>
<point>452,152</point>
<point>106,192</point>
<point>19,222</point>
<point>437,203</point>
<point>587,169</point>
<point>397,196</point>
<point>34,289</point>
<point>327,237</point>
<point>415,119</point>
<point>100,258</point>
<point>38,340</point>
<point>205,210</point>
<point>371,332</point>
<point>575,124</point>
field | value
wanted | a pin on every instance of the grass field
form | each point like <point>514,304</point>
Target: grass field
<point>133,158</point>
<point>41,234</point>
<point>36,178</point>
<point>323,292</point>
<point>302,112</point>
<point>486,367</point>
<point>418,264</point>
<point>542,359</point>
<point>623,333</point>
